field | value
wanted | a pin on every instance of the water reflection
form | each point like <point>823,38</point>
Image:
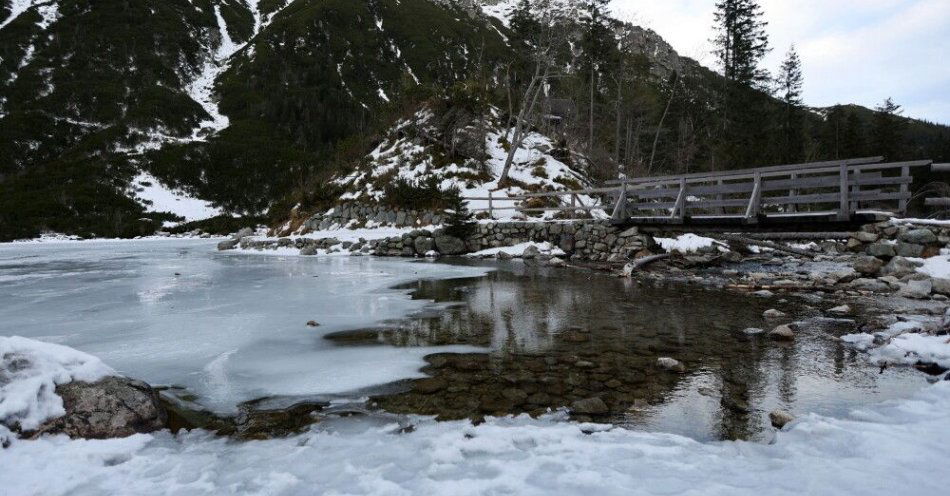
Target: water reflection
<point>569,338</point>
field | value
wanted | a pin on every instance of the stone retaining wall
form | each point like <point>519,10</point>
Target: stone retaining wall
<point>376,214</point>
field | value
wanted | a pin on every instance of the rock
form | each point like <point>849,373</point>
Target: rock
<point>516,396</point>
<point>866,237</point>
<point>309,250</point>
<point>752,331</point>
<point>109,408</point>
<point>782,333</point>
<point>629,233</point>
<point>941,285</point>
<point>243,233</point>
<point>423,245</point>
<point>780,418</point>
<point>909,250</point>
<point>429,385</point>
<point>764,293</point>
<point>843,309</point>
<point>918,289</point>
<point>449,245</point>
<point>773,314</point>
<point>671,364</point>
<point>228,244</point>
<point>566,243</point>
<point>868,265</point>
<point>530,252</point>
<point>873,285</point>
<point>312,323</point>
<point>556,262</point>
<point>504,255</point>
<point>881,250</point>
<point>919,236</point>
<point>589,406</point>
<point>899,267</point>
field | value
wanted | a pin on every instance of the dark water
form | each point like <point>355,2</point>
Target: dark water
<point>559,336</point>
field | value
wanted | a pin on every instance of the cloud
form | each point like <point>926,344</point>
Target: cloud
<point>853,51</point>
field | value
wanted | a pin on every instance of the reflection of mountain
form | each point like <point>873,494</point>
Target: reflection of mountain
<point>556,337</point>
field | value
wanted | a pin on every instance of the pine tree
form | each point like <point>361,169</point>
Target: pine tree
<point>459,222</point>
<point>792,118</point>
<point>598,47</point>
<point>745,119</point>
<point>888,130</point>
<point>853,137</point>
<point>523,23</point>
<point>741,42</point>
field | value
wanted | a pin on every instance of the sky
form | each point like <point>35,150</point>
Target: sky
<point>852,51</point>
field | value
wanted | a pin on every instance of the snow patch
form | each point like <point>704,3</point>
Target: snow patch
<point>686,243</point>
<point>157,197</point>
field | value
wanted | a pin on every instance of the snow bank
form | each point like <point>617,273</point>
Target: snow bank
<point>938,266</point>
<point>885,449</point>
<point>29,373</point>
<point>158,198</point>
<point>516,250</point>
<point>902,343</point>
<point>686,243</point>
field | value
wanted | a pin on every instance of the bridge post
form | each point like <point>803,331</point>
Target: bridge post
<point>905,188</point>
<point>620,209</point>
<point>755,201</point>
<point>491,213</point>
<point>793,207</point>
<point>844,206</point>
<point>679,208</point>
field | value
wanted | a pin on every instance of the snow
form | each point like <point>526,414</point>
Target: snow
<point>158,198</point>
<point>29,373</point>
<point>904,343</point>
<point>884,449</point>
<point>938,266</point>
<point>518,249</point>
<point>921,222</point>
<point>686,243</point>
<point>229,328</point>
<point>533,166</point>
<point>17,8</point>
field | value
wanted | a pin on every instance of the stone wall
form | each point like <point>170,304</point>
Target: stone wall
<point>586,241</point>
<point>375,214</point>
<point>885,240</point>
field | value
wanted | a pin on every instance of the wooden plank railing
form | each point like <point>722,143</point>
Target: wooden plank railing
<point>836,189</point>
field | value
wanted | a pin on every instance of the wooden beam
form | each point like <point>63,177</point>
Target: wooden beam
<point>937,202</point>
<point>844,208</point>
<point>679,208</point>
<point>755,200</point>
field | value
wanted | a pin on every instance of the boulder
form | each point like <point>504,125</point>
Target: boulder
<point>243,233</point>
<point>899,267</point>
<point>309,250</point>
<point>866,237</point>
<point>873,285</point>
<point>941,286</point>
<point>228,244</point>
<point>918,289</point>
<point>423,245</point>
<point>909,250</point>
<point>773,314</point>
<point>589,406</point>
<point>449,245</point>
<point>671,364</point>
<point>530,252</point>
<point>109,408</point>
<point>780,418</point>
<point>919,236</point>
<point>558,262</point>
<point>782,333</point>
<point>566,243</point>
<point>868,265</point>
<point>504,255</point>
<point>840,310</point>
<point>881,250</point>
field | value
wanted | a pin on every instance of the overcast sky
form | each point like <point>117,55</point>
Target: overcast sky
<point>853,51</point>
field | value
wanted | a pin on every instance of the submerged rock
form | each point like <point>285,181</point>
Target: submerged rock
<point>842,309</point>
<point>782,333</point>
<point>589,406</point>
<point>773,314</point>
<point>670,364</point>
<point>108,408</point>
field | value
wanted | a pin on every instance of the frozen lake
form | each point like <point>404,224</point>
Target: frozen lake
<point>227,327</point>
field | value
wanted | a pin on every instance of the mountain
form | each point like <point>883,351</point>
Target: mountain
<point>119,116</point>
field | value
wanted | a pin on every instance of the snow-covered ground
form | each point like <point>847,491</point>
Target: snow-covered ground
<point>157,197</point>
<point>533,167</point>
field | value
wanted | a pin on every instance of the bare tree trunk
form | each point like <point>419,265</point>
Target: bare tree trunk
<point>659,127</point>
<point>590,127</point>
<point>527,107</point>
<point>511,109</point>
<point>617,156</point>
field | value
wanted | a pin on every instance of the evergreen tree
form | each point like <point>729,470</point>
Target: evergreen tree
<point>853,137</point>
<point>459,222</point>
<point>888,130</point>
<point>792,118</point>
<point>523,23</point>
<point>741,41</point>
<point>598,46</point>
<point>745,118</point>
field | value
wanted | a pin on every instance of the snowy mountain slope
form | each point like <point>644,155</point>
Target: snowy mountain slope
<point>469,156</point>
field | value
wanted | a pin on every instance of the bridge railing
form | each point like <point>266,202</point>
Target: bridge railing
<point>833,189</point>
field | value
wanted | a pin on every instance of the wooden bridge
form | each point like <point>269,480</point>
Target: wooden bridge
<point>820,192</point>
